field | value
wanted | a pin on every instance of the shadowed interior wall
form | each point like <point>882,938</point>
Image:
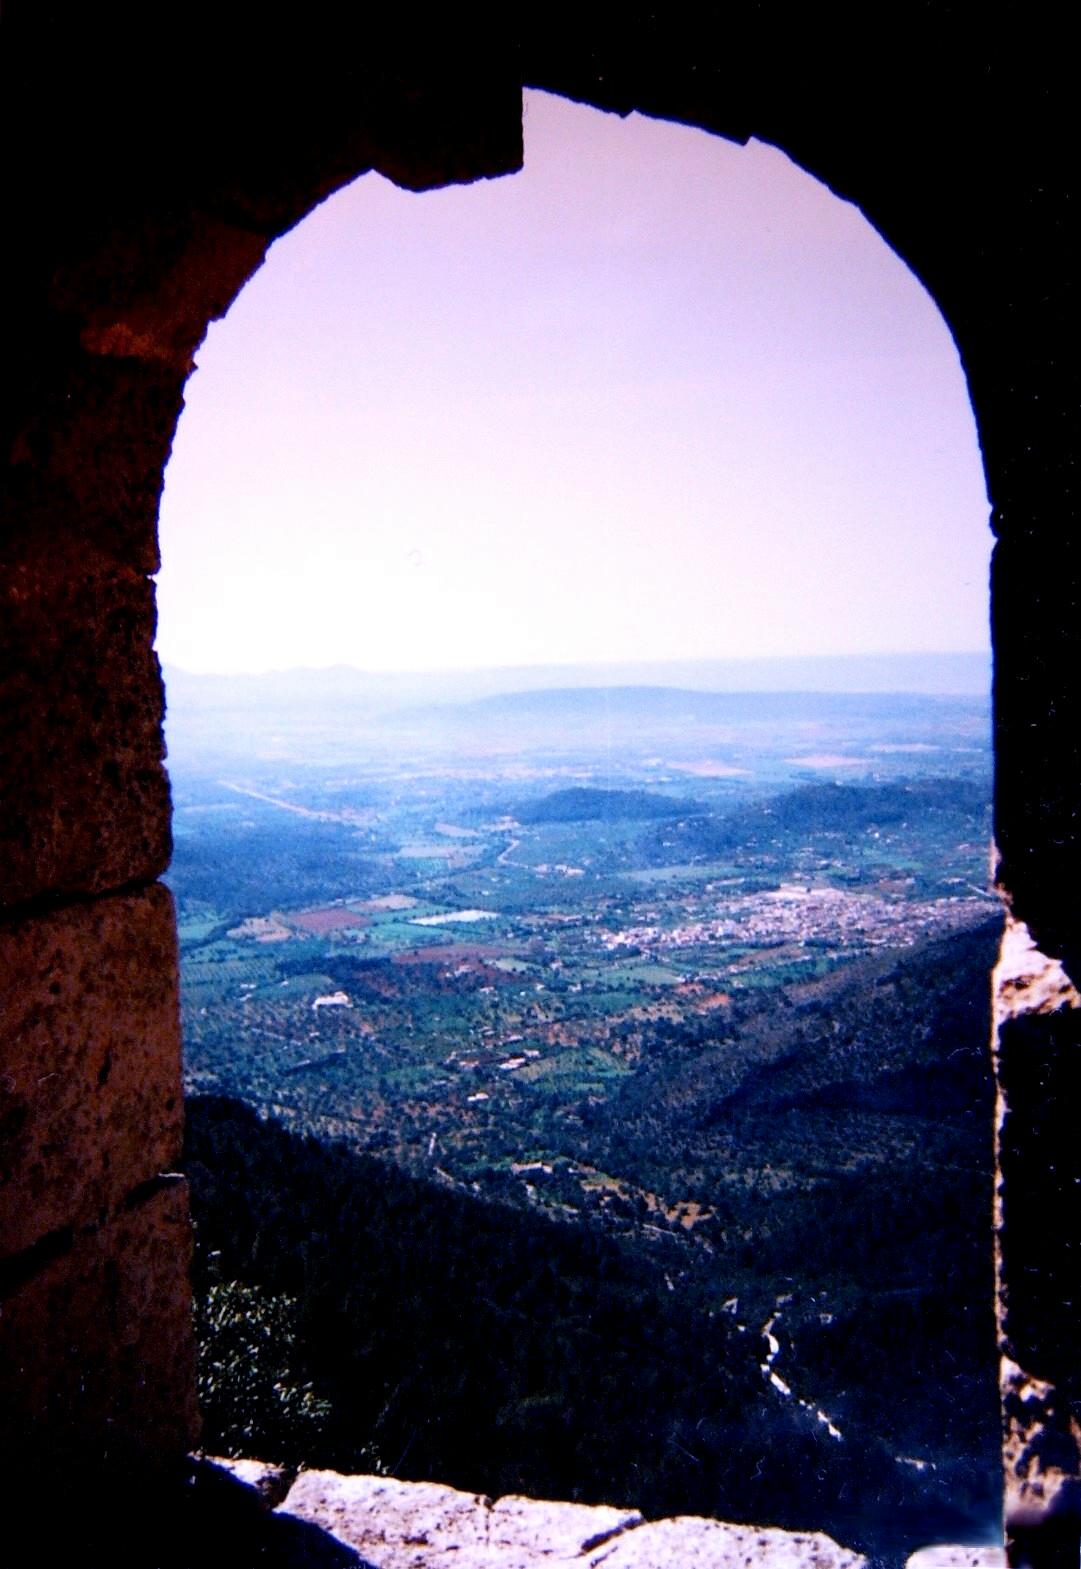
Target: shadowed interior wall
<point>146,189</point>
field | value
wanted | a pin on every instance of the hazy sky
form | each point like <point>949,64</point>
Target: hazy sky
<point>655,397</point>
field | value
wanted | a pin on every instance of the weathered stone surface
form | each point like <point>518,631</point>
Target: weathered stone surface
<point>421,1525</point>
<point>393,1523</point>
<point>1026,981</point>
<point>953,1557</point>
<point>271,1482</point>
<point>82,781</point>
<point>90,1093</point>
<point>712,1544</point>
<point>96,1349</point>
<point>87,459</point>
<point>563,1530</point>
<point>149,291</point>
<point>1037,1012</point>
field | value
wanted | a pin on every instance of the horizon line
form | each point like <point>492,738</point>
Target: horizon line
<point>736,660</point>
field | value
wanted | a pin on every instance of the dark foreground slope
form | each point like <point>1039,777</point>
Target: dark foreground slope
<point>445,1337</point>
<point>357,1317</point>
<point>842,1140</point>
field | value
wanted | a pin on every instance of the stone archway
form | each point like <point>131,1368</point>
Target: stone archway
<point>136,227</point>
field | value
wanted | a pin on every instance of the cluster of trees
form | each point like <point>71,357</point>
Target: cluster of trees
<point>584,805</point>
<point>245,866</point>
<point>926,806</point>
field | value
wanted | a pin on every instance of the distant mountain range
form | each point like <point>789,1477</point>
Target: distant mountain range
<point>676,704</point>
<point>381,692</point>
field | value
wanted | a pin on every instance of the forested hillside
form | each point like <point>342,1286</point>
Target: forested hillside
<point>358,1317</point>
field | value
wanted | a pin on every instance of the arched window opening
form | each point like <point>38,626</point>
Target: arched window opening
<point>602,863</point>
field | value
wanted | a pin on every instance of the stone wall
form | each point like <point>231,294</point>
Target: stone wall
<point>146,183</point>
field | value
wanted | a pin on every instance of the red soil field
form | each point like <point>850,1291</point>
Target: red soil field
<point>319,922</point>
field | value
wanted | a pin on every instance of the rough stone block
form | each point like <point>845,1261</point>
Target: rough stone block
<point>90,1093</point>
<point>85,799</point>
<point>954,1556</point>
<point>1038,1060</point>
<point>89,456</point>
<point>714,1544</point>
<point>147,291</point>
<point>380,1515</point>
<point>423,1525</point>
<point>96,1347</point>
